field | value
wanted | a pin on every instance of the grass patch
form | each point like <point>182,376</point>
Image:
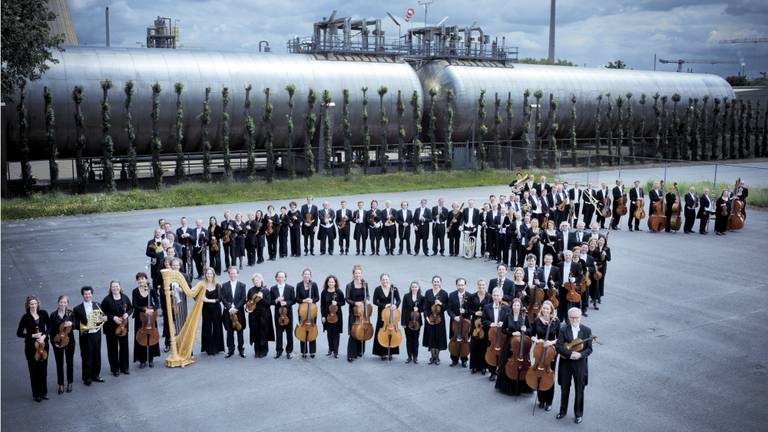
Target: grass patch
<point>758,196</point>
<point>194,193</point>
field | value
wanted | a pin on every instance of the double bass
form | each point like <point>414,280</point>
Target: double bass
<point>736,218</point>
<point>389,335</point>
<point>639,210</point>
<point>674,219</point>
<point>306,328</point>
<point>459,344</point>
<point>362,329</point>
<point>657,221</point>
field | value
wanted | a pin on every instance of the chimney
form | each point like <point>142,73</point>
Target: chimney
<point>551,56</point>
<point>106,17</point>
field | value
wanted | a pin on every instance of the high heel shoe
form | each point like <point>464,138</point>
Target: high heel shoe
<point>69,388</point>
<point>61,389</point>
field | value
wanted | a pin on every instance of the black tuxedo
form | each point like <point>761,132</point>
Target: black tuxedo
<point>404,216</point>
<point>585,236</point>
<point>198,242</point>
<point>308,231</point>
<point>326,235</point>
<point>507,288</point>
<point>184,242</point>
<point>440,218</point>
<point>238,302</point>
<point>229,248</point>
<point>301,294</point>
<point>703,214</point>
<point>421,219</point>
<point>654,195</point>
<point>573,370</point>
<point>601,196</point>
<point>375,223</point>
<point>634,195</point>
<point>289,297</point>
<point>90,344</point>
<point>504,311</point>
<point>389,232</point>
<point>617,192</point>
<point>690,212</point>
<point>344,234</point>
<point>361,229</point>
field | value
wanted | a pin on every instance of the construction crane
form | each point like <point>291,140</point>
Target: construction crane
<point>743,40</point>
<point>680,62</point>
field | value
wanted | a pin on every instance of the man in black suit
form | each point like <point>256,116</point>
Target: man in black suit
<point>171,237</point>
<point>537,207</point>
<point>570,271</point>
<point>741,193</point>
<point>471,220</point>
<point>492,222</point>
<point>542,185</point>
<point>587,265</point>
<point>561,198</point>
<point>421,218</point>
<point>184,237</point>
<point>671,199</point>
<point>284,296</point>
<point>549,277</point>
<point>90,340</point>
<point>690,210</point>
<point>655,195</point>
<point>564,240</point>
<point>703,214</point>
<point>228,247</point>
<point>458,309</point>
<point>617,192</point>
<point>574,366</point>
<point>155,253</point>
<point>495,315</point>
<point>360,218</point>
<point>634,194</point>
<point>233,299</point>
<point>601,195</point>
<point>439,218</point>
<point>343,215</point>
<point>375,224</point>
<point>508,292</point>
<point>389,228</point>
<point>577,198</point>
<point>579,236</point>
<point>199,238</point>
<point>404,222</point>
<point>327,231</point>
<point>308,229</point>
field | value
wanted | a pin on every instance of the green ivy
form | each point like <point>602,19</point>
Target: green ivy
<point>205,120</point>
<point>366,133</point>
<point>716,129</point>
<point>77,98</point>
<point>347,128</point>
<point>50,134</point>
<point>157,146</point>
<point>311,123</point>
<point>510,130</point>
<point>553,126</point>
<point>179,89</point>
<point>416,150</point>
<point>538,94</point>
<point>291,89</point>
<point>527,130</point>
<point>449,97</point>
<point>432,127</point>
<point>26,167</point>
<point>598,118</point>
<point>400,132</point>
<point>268,144</point>
<point>497,130</point>
<point>131,134</point>
<point>482,129</point>
<point>573,129</point>
<point>108,172</point>
<point>250,134</point>
<point>327,132</point>
<point>675,128</point>
<point>383,122</point>
<point>225,134</point>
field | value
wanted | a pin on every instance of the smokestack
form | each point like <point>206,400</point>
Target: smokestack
<point>551,56</point>
<point>106,17</point>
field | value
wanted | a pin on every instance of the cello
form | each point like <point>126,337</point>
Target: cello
<point>535,299</point>
<point>389,335</point>
<point>519,361</point>
<point>657,221</point>
<point>306,328</point>
<point>621,203</point>
<point>495,343</point>
<point>362,329</point>
<point>639,210</point>
<point>459,344</point>
<point>148,335</point>
<point>540,376</point>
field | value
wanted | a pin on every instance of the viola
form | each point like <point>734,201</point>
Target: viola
<point>572,289</point>
<point>389,335</point>
<point>478,331</point>
<point>436,315</point>
<point>236,324</point>
<point>41,354</point>
<point>577,345</point>
<point>414,323</point>
<point>61,340</point>
<point>333,311</point>
<point>540,375</point>
<point>362,329</point>
<point>306,329</point>
<point>122,328</point>
<point>148,335</point>
<point>250,305</point>
<point>283,319</point>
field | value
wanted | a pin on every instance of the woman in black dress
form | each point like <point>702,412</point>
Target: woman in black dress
<point>212,335</point>
<point>478,344</point>
<point>144,300</point>
<point>332,297</point>
<point>251,226</point>
<point>604,253</point>
<point>356,292</point>
<point>515,325</point>
<point>240,233</point>
<point>284,226</point>
<point>63,315</point>
<point>549,240</point>
<point>518,283</point>
<point>294,215</point>
<point>33,327</point>
<point>411,317</point>
<point>435,336</point>
<point>117,307</point>
<point>260,318</point>
<point>260,228</point>
<point>383,296</point>
<point>307,292</point>
<point>214,244</point>
<point>544,330</point>
<point>723,209</point>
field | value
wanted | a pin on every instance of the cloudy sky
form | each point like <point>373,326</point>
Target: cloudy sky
<point>589,32</point>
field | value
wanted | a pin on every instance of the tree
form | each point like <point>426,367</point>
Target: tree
<point>179,135</point>
<point>675,128</point>
<point>449,98</point>
<point>742,116</point>
<point>630,136</point>
<point>734,126</point>
<point>156,144</point>
<point>764,150</point>
<point>108,173</point>
<point>432,127</point>
<point>552,130</point>
<point>716,128</point>
<point>573,129</point>
<point>77,98</point>
<point>131,134</point>
<point>50,135</point>
<point>310,121</point>
<point>598,139</point>
<point>497,130</point>
<point>737,80</point>
<point>688,137</point>
<point>527,129</point>
<point>664,151</point>
<point>620,125</point>
<point>400,131</point>
<point>250,134</point>
<point>510,126</point>
<point>268,145</point>
<point>609,126</point>
<point>366,133</point>
<point>27,43</point>
<point>618,64</point>
<point>643,100</point>
<point>657,113</point>
<point>483,130</point>
<point>291,89</point>
<point>347,128</point>
<point>327,132</point>
<point>724,124</point>
<point>416,132</point>
<point>225,134</point>
<point>205,120</point>
<point>383,122</point>
<point>538,94</point>
<point>26,167</point>
<point>703,135</point>
<point>546,61</point>
<point>748,131</point>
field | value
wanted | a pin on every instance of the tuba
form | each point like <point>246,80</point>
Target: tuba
<point>469,245</point>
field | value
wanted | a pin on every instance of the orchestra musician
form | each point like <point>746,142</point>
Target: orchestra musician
<point>258,227</point>
<point>723,209</point>
<point>332,296</point>
<point>544,330</point>
<point>307,292</point>
<point>389,230</point>
<point>670,199</point>
<point>703,213</point>
<point>492,221</point>
<point>240,231</point>
<point>458,309</point>
<point>471,220</point>
<point>360,217</point>
<point>516,324</point>
<point>374,227</point>
<point>283,296</point>
<point>587,262</point>
<point>656,194</point>
<point>634,194</point>
<point>198,239</point>
<point>573,366</point>
<point>233,299</point>
<point>343,216</point>
<point>412,303</point>
<point>260,318</point>
<point>576,196</point>
<point>501,281</point>
<point>404,222</point>
<point>384,296</point>
<point>118,308</point>
<point>589,206</point>
<point>439,219</point>
<point>33,328</point>
<point>251,228</point>
<point>64,315</point>
<point>356,292</point>
<point>184,235</point>
<point>691,202</point>
<point>214,244</point>
<point>144,300</point>
<point>495,315</point>
<point>617,192</point>
<point>228,243</point>
<point>741,193</point>
<point>570,271</point>
<point>283,231</point>
<point>537,206</point>
<point>327,232</point>
<point>294,215</point>
<point>602,195</point>
<point>212,335</point>
<point>271,222</point>
<point>86,314</point>
<point>478,345</point>
<point>308,211</point>
<point>421,218</point>
<point>435,339</point>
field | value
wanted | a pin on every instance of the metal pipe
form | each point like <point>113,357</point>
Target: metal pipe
<point>106,18</point>
<point>551,56</point>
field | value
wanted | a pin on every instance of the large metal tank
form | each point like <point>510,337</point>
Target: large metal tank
<point>561,81</point>
<point>196,70</point>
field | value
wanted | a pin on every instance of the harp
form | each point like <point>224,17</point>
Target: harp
<point>184,332</point>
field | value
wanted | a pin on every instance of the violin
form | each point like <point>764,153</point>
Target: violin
<point>414,323</point>
<point>577,345</point>
<point>333,311</point>
<point>250,305</point>
<point>282,319</point>
<point>40,352</point>
<point>478,332</point>
<point>459,344</point>
<point>362,329</point>
<point>552,295</point>
<point>306,329</point>
<point>61,340</point>
<point>540,375</point>
<point>122,328</point>
<point>389,335</point>
<point>148,335</point>
<point>572,295</point>
<point>236,324</point>
<point>519,360</point>
<point>436,315</point>
<point>639,210</point>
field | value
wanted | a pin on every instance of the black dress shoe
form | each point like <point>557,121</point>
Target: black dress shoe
<point>431,361</point>
<point>329,354</point>
<point>229,354</point>
<point>69,388</point>
<point>166,348</point>
<point>584,314</point>
<point>116,374</point>
<point>559,416</point>
<point>464,364</point>
<point>437,362</point>
<point>126,372</point>
<point>335,355</point>
<point>45,396</point>
<point>38,399</point>
<point>242,354</point>
<point>415,360</point>
<point>88,383</point>
<point>61,389</point>
<point>288,356</point>
<point>151,364</point>
<point>409,360</point>
<point>311,356</point>
<point>454,363</point>
<point>492,378</point>
<point>98,379</point>
<point>548,408</point>
<point>278,355</point>
<point>303,355</point>
<point>142,365</point>
<point>578,420</point>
